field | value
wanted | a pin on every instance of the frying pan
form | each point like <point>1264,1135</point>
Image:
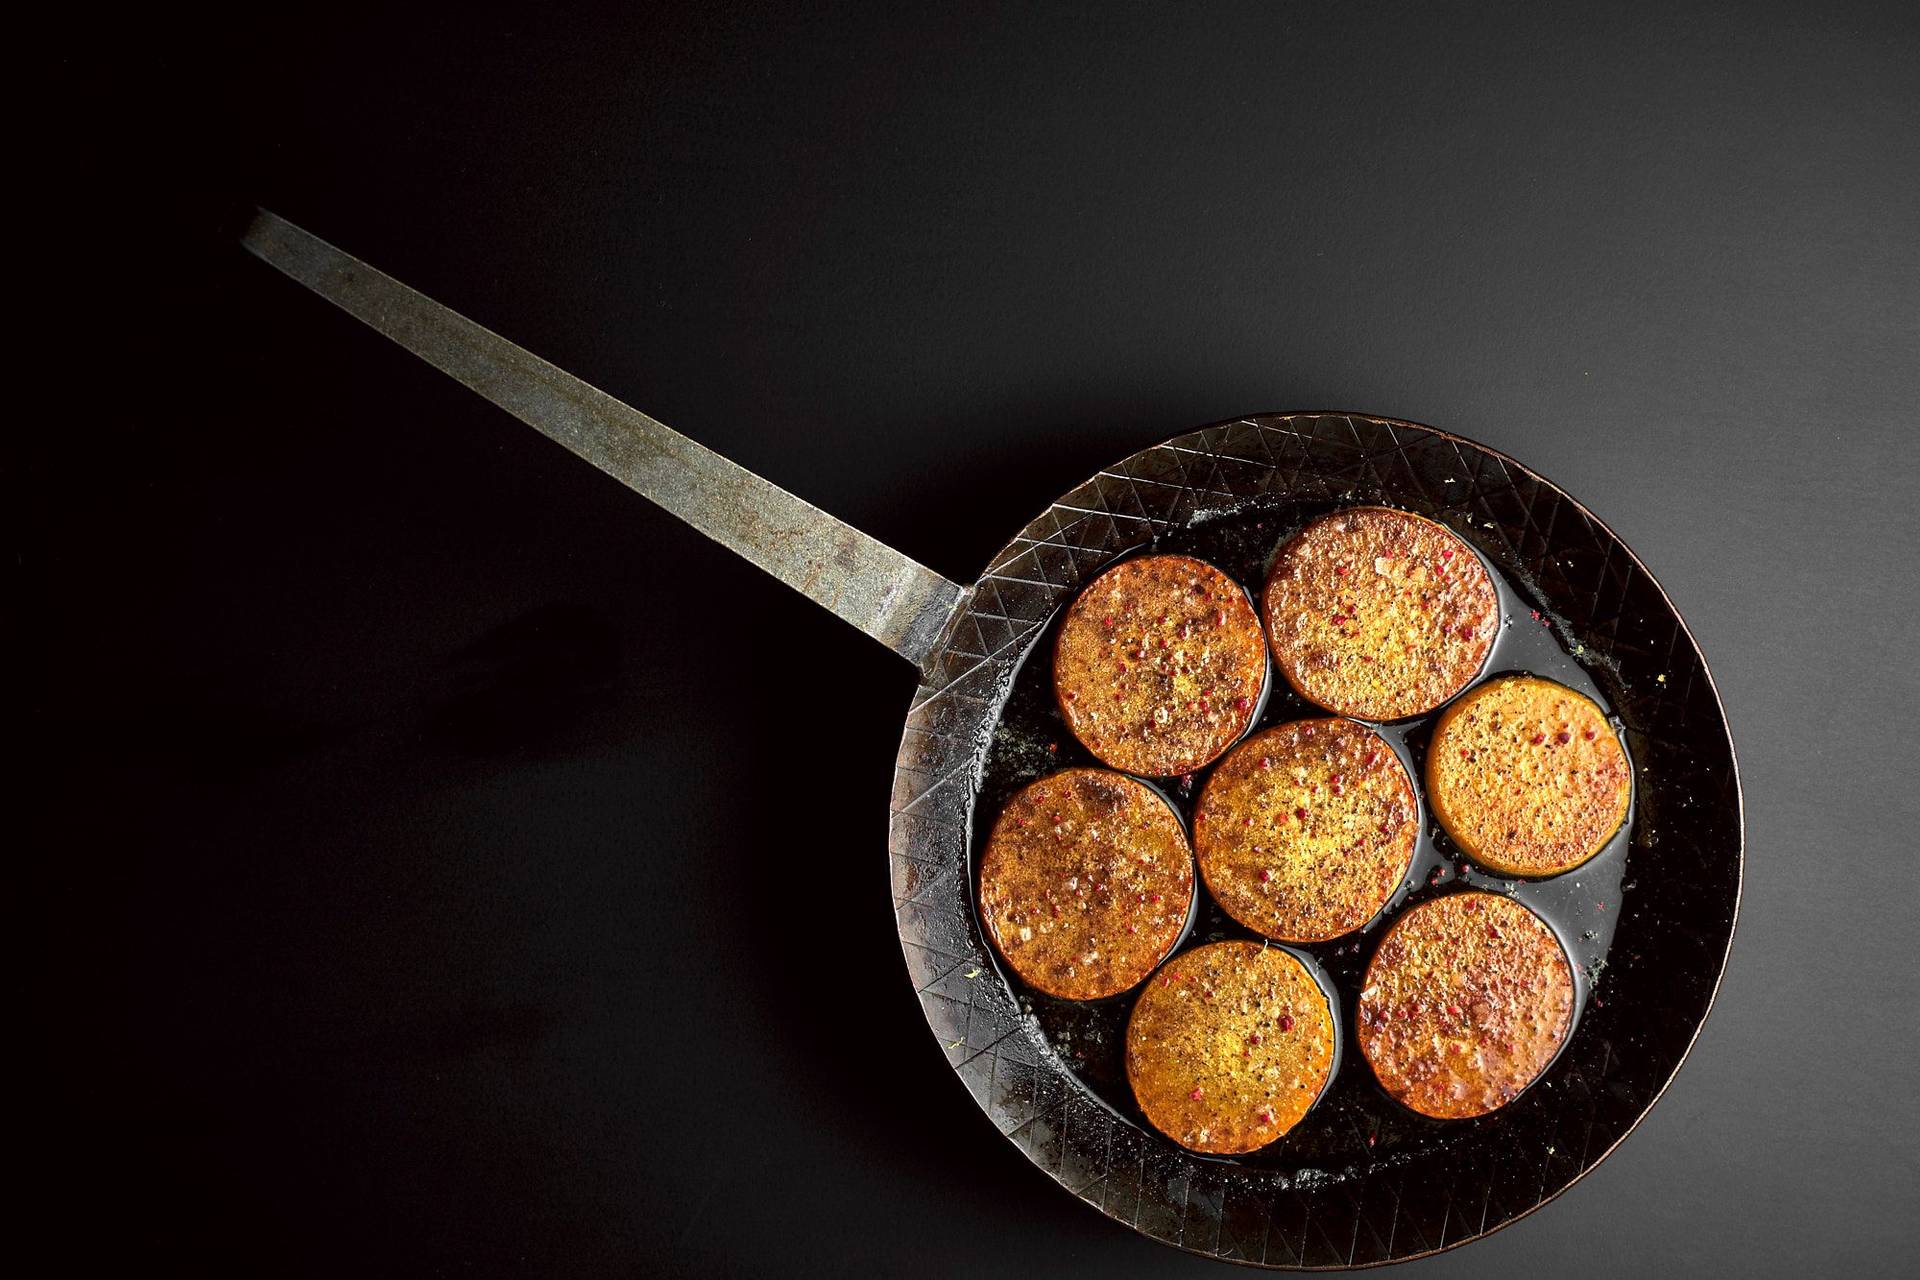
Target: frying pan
<point>1368,1185</point>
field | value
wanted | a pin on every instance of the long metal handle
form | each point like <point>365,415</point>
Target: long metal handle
<point>898,601</point>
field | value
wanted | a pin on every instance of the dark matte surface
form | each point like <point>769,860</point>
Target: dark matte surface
<point>425,835</point>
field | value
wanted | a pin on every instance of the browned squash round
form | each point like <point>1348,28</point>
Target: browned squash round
<point>1229,1046</point>
<point>1527,776</point>
<point>1304,831</point>
<point>1379,614</point>
<point>1465,1003</point>
<point>1086,883</point>
<point>1159,665</point>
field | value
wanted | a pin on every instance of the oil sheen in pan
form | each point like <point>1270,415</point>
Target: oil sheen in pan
<point>1581,906</point>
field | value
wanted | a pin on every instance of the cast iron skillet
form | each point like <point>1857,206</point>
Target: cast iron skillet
<point>1360,1182</point>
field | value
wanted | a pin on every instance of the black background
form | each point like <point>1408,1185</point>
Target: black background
<point>448,864</point>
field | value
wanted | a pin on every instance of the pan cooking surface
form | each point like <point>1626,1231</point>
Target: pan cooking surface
<point>1647,923</point>
<point>1355,1124</point>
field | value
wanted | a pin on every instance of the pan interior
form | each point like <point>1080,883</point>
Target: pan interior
<point>1356,1125</point>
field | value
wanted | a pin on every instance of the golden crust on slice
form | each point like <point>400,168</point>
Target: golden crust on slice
<point>1379,614</point>
<point>1305,830</point>
<point>1159,665</point>
<point>1086,883</point>
<point>1527,776</point>
<point>1229,1046</point>
<point>1465,1003</point>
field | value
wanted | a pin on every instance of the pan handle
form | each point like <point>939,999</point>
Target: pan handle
<point>898,601</point>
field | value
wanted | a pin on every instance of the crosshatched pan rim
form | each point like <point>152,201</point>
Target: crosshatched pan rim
<point>1029,1094</point>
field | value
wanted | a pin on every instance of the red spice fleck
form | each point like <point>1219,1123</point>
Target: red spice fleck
<point>1266,1117</point>
<point>1589,735</point>
<point>1199,818</point>
<point>1563,737</point>
<point>1466,633</point>
<point>1538,738</point>
<point>1243,704</point>
<point>1286,1022</point>
<point>1266,762</point>
<point>1106,622</point>
<point>1123,668</point>
<point>1338,789</point>
<point>1339,619</point>
<point>1254,1038</point>
<point>1154,898</point>
<point>1535,613</point>
<point>1446,553</point>
<point>1265,875</point>
<point>1195,1095</point>
<point>1306,731</point>
<point>1072,696</point>
<point>1340,569</point>
<point>1205,705</point>
<point>1373,758</point>
<point>1301,814</point>
<point>1053,746</point>
<point>1249,822</point>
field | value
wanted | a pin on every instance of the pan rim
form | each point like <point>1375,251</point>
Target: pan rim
<point>1720,957</point>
